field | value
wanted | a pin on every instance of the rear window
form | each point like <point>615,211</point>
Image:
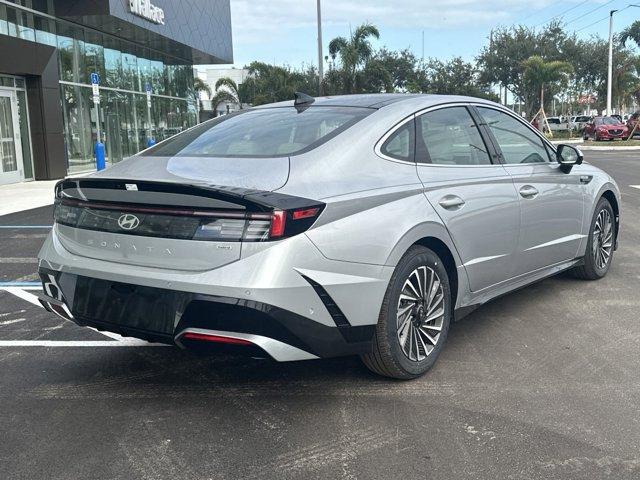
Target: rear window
<point>267,132</point>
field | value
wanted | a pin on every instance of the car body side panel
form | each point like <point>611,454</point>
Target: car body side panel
<point>370,235</point>
<point>599,183</point>
<point>552,220</point>
<point>485,228</point>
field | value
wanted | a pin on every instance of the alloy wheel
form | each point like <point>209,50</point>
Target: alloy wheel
<point>420,313</point>
<point>603,239</point>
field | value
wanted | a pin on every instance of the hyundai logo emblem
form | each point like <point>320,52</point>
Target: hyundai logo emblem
<point>128,221</point>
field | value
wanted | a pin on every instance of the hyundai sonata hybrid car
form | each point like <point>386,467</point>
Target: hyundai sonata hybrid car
<point>314,228</point>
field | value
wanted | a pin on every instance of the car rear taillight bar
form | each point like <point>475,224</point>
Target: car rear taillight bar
<point>252,226</point>
<point>129,208</point>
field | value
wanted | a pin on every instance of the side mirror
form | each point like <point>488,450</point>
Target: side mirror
<point>568,156</point>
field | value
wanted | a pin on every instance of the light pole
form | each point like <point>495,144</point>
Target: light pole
<point>320,72</point>
<point>610,69</point>
<point>610,66</point>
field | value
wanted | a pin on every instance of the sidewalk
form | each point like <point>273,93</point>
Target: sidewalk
<point>17,197</point>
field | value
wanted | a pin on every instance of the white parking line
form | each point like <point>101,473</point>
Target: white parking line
<point>78,343</point>
<point>20,293</point>
<point>118,340</point>
<point>635,186</point>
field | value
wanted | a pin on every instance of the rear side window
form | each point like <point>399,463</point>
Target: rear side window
<point>400,143</point>
<point>267,132</point>
<point>449,136</point>
<point>518,143</point>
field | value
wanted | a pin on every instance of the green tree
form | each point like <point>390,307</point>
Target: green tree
<point>453,77</point>
<point>231,86</point>
<point>388,71</point>
<point>353,53</point>
<point>538,74</point>
<point>632,32</point>
<point>221,96</point>
<point>269,83</point>
<point>199,86</point>
<point>502,61</point>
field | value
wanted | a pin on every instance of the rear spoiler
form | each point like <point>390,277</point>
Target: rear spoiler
<point>177,195</point>
<point>251,215</point>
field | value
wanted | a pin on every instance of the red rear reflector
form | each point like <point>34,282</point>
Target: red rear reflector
<point>205,337</point>
<point>278,218</point>
<point>305,213</point>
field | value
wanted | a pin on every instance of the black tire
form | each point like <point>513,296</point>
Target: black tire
<point>585,137</point>
<point>590,270</point>
<point>387,357</point>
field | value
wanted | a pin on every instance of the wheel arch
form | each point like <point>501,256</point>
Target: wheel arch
<point>448,260</point>
<point>613,200</point>
<point>435,236</point>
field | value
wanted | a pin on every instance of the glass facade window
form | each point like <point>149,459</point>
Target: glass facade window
<point>23,119</point>
<point>20,24</point>
<point>125,68</point>
<point>45,31</point>
<point>78,128</point>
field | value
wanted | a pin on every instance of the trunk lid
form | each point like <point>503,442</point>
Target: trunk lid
<point>167,201</point>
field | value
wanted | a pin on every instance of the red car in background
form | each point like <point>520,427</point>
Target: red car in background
<point>632,122</point>
<point>605,128</point>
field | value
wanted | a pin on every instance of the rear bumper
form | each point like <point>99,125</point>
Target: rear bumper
<point>166,316</point>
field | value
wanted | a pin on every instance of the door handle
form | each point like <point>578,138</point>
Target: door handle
<point>528,191</point>
<point>451,202</point>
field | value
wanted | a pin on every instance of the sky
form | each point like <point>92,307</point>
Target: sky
<point>284,31</point>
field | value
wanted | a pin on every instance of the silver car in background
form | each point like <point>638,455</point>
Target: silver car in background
<point>360,224</point>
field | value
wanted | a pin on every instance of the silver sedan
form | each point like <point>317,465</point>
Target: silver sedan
<point>360,224</point>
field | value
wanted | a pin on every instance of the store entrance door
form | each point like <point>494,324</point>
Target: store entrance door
<point>11,165</point>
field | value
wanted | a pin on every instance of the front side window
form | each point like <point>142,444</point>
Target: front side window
<point>519,144</point>
<point>449,136</point>
<point>266,132</point>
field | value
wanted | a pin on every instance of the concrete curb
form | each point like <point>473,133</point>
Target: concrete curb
<point>630,148</point>
<point>572,141</point>
<point>599,148</point>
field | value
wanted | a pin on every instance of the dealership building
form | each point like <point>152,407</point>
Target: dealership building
<point>121,71</point>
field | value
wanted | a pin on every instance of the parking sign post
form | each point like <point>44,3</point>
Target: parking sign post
<point>99,150</point>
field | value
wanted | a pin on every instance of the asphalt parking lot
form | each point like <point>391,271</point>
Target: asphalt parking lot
<point>542,383</point>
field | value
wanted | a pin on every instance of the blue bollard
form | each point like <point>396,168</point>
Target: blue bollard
<point>100,156</point>
<point>151,142</point>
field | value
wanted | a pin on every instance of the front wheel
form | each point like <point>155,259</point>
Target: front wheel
<point>600,245</point>
<point>414,319</point>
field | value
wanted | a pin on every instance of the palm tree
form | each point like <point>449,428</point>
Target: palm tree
<point>199,86</point>
<point>540,74</point>
<point>354,52</point>
<point>632,32</point>
<point>221,96</point>
<point>232,87</point>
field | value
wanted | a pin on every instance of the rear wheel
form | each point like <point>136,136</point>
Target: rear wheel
<point>414,318</point>
<point>600,244</point>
